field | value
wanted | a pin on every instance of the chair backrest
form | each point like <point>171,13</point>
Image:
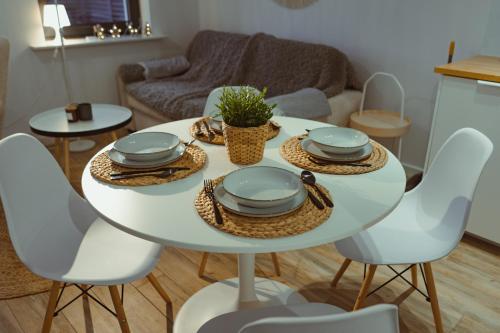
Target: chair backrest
<point>213,99</point>
<point>4,67</point>
<point>447,189</point>
<point>382,318</point>
<point>43,211</point>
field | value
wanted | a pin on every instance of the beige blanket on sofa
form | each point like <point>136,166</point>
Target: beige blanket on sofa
<point>221,58</point>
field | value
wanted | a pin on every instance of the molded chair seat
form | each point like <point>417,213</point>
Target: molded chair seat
<point>104,256</point>
<point>308,317</point>
<point>406,236</point>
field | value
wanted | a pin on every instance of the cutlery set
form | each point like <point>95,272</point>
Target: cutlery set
<point>264,192</point>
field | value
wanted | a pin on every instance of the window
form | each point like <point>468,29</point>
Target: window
<point>84,14</point>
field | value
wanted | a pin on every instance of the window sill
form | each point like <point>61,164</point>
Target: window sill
<point>93,41</point>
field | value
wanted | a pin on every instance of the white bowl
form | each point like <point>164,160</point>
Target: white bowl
<point>262,186</point>
<point>339,140</point>
<point>147,146</point>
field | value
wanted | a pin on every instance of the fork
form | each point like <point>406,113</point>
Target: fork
<point>208,187</point>
<point>211,135</point>
<point>198,132</point>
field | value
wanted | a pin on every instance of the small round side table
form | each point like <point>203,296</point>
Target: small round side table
<point>53,123</point>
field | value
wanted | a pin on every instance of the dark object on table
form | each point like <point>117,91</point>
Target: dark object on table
<point>72,112</point>
<point>84,111</point>
<point>164,174</point>
<point>315,200</point>
<point>308,178</point>
<point>208,187</point>
<point>325,163</point>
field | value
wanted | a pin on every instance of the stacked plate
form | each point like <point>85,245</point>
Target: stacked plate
<point>337,144</point>
<point>261,192</point>
<point>147,150</point>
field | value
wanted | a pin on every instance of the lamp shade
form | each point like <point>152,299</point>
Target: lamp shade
<point>50,13</point>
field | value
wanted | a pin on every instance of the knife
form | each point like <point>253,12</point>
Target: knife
<point>137,172</point>
<point>315,200</point>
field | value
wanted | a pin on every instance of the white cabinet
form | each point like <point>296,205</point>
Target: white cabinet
<point>465,102</point>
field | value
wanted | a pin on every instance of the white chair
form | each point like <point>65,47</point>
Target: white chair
<point>430,220</point>
<point>4,67</point>
<point>59,236</point>
<point>211,109</point>
<point>309,317</point>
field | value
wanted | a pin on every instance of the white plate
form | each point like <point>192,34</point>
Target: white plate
<point>311,148</point>
<point>262,186</point>
<point>338,140</point>
<point>148,146</point>
<point>117,158</point>
<point>229,203</point>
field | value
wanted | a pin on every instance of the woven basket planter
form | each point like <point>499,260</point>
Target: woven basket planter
<point>245,145</point>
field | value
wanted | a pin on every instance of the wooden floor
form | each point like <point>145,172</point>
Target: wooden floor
<point>468,283</point>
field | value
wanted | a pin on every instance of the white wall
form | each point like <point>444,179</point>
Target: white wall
<point>405,37</point>
<point>35,78</point>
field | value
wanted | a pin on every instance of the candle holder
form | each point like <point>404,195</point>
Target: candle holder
<point>115,32</point>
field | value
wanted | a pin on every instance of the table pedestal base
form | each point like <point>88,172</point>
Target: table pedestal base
<point>222,297</point>
<point>81,145</point>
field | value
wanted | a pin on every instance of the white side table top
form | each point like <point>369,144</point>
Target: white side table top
<point>166,213</point>
<point>106,117</point>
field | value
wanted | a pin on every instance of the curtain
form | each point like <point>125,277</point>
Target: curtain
<point>89,12</point>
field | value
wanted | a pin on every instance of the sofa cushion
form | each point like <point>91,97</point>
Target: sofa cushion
<point>162,68</point>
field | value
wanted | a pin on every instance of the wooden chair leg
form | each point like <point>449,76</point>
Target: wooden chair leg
<point>51,306</point>
<point>340,272</point>
<point>203,264</point>
<point>431,289</point>
<point>114,136</point>
<point>365,287</point>
<point>65,142</point>
<point>120,312</point>
<point>154,282</point>
<point>276,263</point>
<point>414,275</point>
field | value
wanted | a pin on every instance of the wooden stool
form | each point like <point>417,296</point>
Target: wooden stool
<point>382,123</point>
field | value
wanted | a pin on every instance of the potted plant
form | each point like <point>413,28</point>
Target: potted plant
<point>245,124</point>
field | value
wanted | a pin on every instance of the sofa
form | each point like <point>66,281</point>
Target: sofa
<point>229,59</point>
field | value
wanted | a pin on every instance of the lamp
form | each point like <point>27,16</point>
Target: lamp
<point>55,16</point>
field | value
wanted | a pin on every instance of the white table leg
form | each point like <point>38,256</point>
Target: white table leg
<point>246,275</point>
<point>243,292</point>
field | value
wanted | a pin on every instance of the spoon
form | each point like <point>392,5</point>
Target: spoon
<point>308,178</point>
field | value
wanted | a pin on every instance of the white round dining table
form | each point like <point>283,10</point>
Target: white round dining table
<point>166,214</point>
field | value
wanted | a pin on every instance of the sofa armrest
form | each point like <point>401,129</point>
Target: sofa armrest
<point>129,73</point>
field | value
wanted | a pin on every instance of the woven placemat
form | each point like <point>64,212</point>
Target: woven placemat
<point>194,158</point>
<point>15,278</point>
<point>292,152</point>
<point>297,222</point>
<point>219,138</point>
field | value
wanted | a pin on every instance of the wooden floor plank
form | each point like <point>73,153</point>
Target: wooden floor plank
<point>8,322</point>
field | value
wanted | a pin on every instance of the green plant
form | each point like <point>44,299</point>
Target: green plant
<point>244,107</point>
